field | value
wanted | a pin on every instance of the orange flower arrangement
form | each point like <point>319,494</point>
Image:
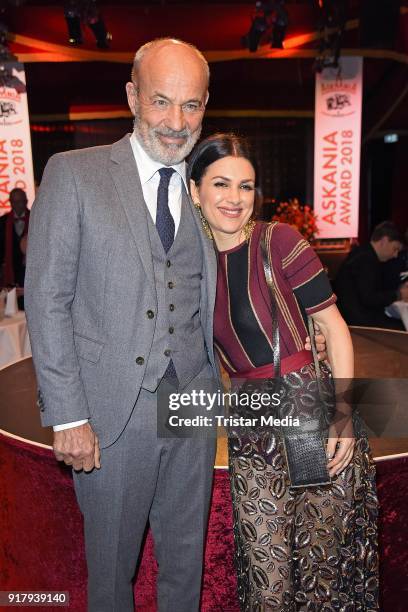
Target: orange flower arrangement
<point>300,217</point>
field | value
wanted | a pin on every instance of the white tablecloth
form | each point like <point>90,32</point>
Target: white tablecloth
<point>398,310</point>
<point>14,340</point>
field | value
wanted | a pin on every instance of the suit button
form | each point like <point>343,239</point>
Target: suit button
<point>167,352</point>
<point>171,330</point>
<point>139,360</point>
<point>171,307</point>
<point>170,284</point>
<point>150,314</point>
<point>168,263</point>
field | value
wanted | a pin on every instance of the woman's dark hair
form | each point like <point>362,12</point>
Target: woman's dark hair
<point>216,147</point>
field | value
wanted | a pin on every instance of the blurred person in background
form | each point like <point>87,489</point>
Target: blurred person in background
<point>13,234</point>
<point>359,285</point>
<point>395,271</point>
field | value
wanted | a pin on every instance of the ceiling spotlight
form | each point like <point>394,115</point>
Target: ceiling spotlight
<point>72,12</point>
<point>269,22</point>
<point>332,21</point>
<point>78,12</point>
<point>95,21</point>
<point>280,23</point>
<point>258,28</point>
<point>8,78</point>
<point>5,54</point>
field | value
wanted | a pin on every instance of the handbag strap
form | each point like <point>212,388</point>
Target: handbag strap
<point>274,309</point>
<point>266,261</point>
<point>314,349</point>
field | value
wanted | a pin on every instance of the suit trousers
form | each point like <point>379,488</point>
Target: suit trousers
<point>164,481</point>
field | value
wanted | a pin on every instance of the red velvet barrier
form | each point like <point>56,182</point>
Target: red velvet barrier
<point>42,542</point>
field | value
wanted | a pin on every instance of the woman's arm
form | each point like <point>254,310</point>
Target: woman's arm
<point>338,341</point>
<point>341,356</point>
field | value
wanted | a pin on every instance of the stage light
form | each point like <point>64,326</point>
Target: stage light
<point>280,24</point>
<point>72,12</point>
<point>7,78</point>
<point>332,21</point>
<point>269,22</point>
<point>258,28</point>
<point>78,12</point>
<point>95,21</point>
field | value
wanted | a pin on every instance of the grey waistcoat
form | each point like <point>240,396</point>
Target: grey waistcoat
<point>177,320</point>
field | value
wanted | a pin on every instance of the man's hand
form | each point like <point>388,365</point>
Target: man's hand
<point>79,447</point>
<point>403,292</point>
<point>320,341</point>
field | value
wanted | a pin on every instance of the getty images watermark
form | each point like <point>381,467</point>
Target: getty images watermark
<point>207,411</point>
<point>211,402</point>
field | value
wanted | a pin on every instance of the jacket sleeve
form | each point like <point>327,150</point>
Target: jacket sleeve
<point>366,285</point>
<point>54,245</point>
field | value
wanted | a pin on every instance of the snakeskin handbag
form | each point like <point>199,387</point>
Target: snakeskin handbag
<point>312,402</point>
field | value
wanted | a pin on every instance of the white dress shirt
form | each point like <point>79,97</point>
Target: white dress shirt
<point>19,224</point>
<point>150,178</point>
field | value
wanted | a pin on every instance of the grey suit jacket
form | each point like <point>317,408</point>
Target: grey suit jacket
<point>88,225</point>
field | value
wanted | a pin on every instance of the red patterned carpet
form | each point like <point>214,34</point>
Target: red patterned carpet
<point>42,545</point>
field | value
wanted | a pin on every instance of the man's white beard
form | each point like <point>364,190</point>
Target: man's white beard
<point>166,154</point>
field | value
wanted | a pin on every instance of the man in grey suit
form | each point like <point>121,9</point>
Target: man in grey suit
<point>120,290</point>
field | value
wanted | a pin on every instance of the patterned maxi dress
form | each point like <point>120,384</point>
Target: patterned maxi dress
<point>311,549</point>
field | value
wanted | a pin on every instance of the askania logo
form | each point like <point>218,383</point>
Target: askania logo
<point>337,97</point>
<point>10,105</point>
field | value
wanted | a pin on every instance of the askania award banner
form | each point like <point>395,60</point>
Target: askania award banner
<point>337,148</point>
<point>16,163</point>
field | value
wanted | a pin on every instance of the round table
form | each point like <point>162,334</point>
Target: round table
<point>41,525</point>
<point>14,339</point>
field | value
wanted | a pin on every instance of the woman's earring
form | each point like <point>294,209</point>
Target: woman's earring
<point>204,221</point>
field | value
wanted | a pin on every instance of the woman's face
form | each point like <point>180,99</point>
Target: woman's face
<point>226,194</point>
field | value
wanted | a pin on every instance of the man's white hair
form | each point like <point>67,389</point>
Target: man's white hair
<point>140,53</point>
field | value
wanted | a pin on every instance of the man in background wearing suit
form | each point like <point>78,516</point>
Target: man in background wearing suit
<point>359,285</point>
<point>13,230</point>
<point>120,291</point>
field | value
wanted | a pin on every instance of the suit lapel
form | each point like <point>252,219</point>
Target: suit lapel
<point>124,173</point>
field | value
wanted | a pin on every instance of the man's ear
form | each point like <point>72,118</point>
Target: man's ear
<point>194,191</point>
<point>131,96</point>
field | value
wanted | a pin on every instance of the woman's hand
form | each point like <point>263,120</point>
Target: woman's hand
<point>341,433</point>
<point>320,342</point>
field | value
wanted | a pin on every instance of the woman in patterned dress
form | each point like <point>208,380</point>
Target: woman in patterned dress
<point>312,548</point>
